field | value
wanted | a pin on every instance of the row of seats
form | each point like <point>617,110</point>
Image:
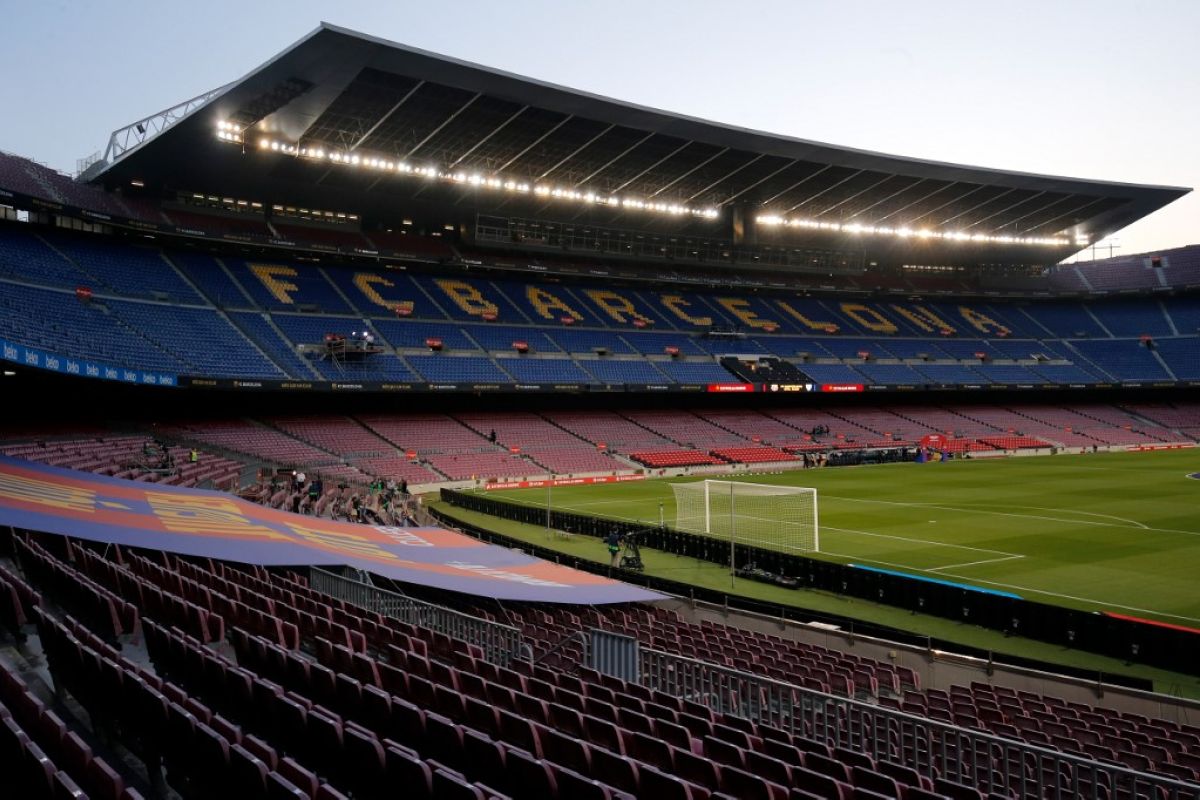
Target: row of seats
<point>429,448</point>
<point>159,329</point>
<point>43,757</point>
<point>493,723</point>
<point>339,711</point>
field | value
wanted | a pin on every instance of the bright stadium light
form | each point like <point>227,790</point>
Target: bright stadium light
<point>855,228</point>
<point>231,133</point>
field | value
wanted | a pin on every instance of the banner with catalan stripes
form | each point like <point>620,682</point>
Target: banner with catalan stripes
<point>195,522</point>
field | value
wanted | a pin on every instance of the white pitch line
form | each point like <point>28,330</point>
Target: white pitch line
<point>1101,603</point>
<point>1132,522</point>
<point>918,541</point>
<point>966,510</point>
<point>1014,587</point>
<point>910,567</point>
<point>973,563</point>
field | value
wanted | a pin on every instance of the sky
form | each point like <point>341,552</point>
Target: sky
<point>1105,89</point>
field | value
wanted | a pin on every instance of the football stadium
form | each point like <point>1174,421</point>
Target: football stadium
<point>377,406</point>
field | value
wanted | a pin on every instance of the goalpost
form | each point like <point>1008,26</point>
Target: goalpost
<point>774,517</point>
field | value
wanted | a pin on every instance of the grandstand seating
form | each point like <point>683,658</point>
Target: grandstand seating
<point>280,286</point>
<point>1064,320</point>
<point>1125,318</point>
<point>550,446</point>
<point>1182,357</point>
<point>417,334</point>
<point>686,429</point>
<point>890,373</point>
<point>207,273</point>
<point>26,256</point>
<point>1182,417</point>
<point>581,341</point>
<point>259,329</point>
<point>1064,373</point>
<point>623,371</point>
<point>1125,360</point>
<point>128,270</point>
<point>306,695</point>
<point>950,374</point>
<point>545,370</point>
<point>674,458</point>
<point>754,427</point>
<point>752,455</point>
<point>124,457</point>
<point>617,432</point>
<point>430,448</point>
<point>57,322</point>
<point>833,374</point>
<point>204,341</point>
<point>1007,373</point>
<point>269,307</point>
<point>472,369</point>
<point>695,372</point>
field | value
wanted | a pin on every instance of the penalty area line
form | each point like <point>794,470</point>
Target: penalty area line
<point>920,541</point>
<point>974,563</point>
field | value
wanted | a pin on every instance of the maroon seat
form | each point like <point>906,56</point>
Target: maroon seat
<point>452,786</point>
<point>405,769</point>
<point>617,770</point>
<point>529,776</point>
<point>485,757</point>
<point>751,786</point>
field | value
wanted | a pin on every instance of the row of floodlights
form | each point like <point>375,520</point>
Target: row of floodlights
<point>229,132</point>
<point>920,233</point>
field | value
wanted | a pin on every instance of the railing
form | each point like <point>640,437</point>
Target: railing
<point>985,761</point>
<point>500,643</point>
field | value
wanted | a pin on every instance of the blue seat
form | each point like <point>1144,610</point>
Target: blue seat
<point>458,369</point>
<point>544,370</point>
<point>609,371</point>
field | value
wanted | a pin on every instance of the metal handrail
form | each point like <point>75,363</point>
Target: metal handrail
<point>935,749</point>
<point>500,643</point>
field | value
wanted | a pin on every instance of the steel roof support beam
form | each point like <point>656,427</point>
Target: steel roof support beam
<point>670,155</point>
<point>535,143</point>
<point>386,116</point>
<point>826,190</point>
<point>1037,210</point>
<point>889,197</point>
<point>919,200</point>
<point>951,201</point>
<point>885,179</point>
<point>977,205</point>
<point>439,128</point>
<point>758,182</point>
<point>485,139</point>
<point>726,177</point>
<point>795,185</point>
<point>577,150</point>
<point>1073,211</point>
<point>617,158</point>
<point>1003,210</point>
<point>703,163</point>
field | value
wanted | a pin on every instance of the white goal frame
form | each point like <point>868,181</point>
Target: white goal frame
<point>711,487</point>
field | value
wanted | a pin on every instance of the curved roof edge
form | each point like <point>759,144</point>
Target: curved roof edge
<point>744,138</point>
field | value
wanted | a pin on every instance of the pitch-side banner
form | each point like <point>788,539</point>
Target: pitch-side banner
<point>215,525</point>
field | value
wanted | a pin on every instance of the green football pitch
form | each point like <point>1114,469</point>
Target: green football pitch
<point>1112,531</point>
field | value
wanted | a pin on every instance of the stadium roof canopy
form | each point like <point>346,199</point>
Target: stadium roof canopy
<point>345,120</point>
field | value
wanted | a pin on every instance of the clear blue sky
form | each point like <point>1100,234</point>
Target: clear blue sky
<point>1104,89</point>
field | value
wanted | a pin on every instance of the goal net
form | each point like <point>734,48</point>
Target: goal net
<point>775,517</point>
